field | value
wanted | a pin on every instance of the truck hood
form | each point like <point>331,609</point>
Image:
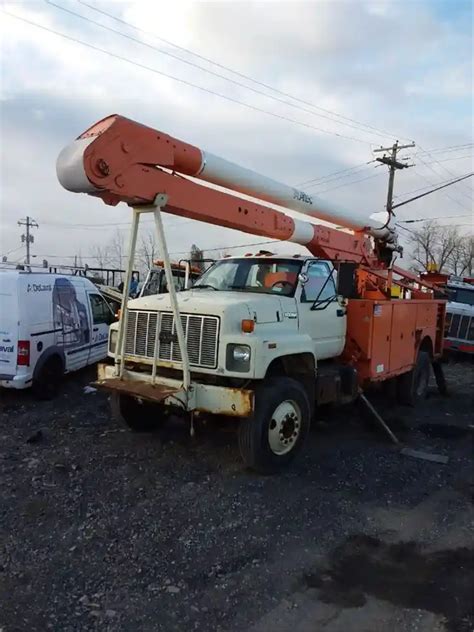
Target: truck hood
<point>263,308</point>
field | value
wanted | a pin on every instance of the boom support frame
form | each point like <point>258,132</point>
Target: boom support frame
<point>155,208</point>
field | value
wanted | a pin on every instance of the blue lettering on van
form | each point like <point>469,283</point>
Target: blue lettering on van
<point>6,349</point>
<point>38,287</point>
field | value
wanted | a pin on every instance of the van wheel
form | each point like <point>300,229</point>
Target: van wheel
<point>139,415</point>
<point>413,386</point>
<point>275,433</point>
<point>46,384</point>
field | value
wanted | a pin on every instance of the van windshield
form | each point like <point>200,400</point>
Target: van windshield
<point>266,276</point>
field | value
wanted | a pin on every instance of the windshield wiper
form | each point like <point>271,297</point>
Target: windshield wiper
<point>205,286</point>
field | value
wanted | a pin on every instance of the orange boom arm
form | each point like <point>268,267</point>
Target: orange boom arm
<point>120,160</point>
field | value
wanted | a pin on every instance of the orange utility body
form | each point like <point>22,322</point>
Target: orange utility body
<point>129,162</point>
<point>159,263</point>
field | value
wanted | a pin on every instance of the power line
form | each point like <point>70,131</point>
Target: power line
<point>446,194</point>
<point>449,148</point>
<point>346,184</point>
<point>235,72</point>
<point>179,80</point>
<point>206,70</point>
<point>413,232</point>
<point>11,251</point>
<point>437,162</point>
<point>115,224</point>
<point>422,188</point>
<point>176,252</point>
<point>429,219</point>
<point>453,175</point>
<point>329,176</point>
<point>432,191</point>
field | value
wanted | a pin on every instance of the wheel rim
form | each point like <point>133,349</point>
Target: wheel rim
<point>284,427</point>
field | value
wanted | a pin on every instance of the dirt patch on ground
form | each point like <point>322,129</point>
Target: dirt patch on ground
<point>102,529</point>
<point>402,574</point>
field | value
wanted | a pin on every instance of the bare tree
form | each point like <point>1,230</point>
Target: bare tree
<point>148,251</point>
<point>100,256</point>
<point>464,263</point>
<point>437,245</point>
<point>117,249</point>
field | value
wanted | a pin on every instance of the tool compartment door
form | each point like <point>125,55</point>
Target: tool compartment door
<point>402,347</point>
<point>380,343</point>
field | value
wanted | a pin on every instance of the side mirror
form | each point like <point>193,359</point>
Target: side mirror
<point>303,278</point>
<point>346,280</point>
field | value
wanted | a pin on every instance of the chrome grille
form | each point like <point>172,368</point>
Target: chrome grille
<point>201,334</point>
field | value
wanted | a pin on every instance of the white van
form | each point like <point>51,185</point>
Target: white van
<point>50,324</point>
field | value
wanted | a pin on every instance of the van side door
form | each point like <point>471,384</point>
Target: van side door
<point>101,317</point>
<point>71,321</point>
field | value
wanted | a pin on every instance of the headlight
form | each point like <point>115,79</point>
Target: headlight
<point>113,336</point>
<point>241,353</point>
<point>238,358</point>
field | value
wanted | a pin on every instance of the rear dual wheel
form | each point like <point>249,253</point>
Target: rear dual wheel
<point>274,435</point>
<point>412,387</point>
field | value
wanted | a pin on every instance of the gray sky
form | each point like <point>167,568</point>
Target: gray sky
<point>404,67</point>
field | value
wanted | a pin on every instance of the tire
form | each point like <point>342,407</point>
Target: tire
<point>48,380</point>
<point>276,432</point>
<point>137,414</point>
<point>412,387</point>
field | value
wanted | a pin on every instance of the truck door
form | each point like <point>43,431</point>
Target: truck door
<point>320,313</point>
<point>101,317</point>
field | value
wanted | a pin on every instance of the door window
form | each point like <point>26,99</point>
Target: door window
<point>320,284</point>
<point>101,313</point>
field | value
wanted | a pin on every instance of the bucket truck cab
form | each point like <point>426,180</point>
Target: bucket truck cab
<point>257,330</point>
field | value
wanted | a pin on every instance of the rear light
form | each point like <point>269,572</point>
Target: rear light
<point>23,354</point>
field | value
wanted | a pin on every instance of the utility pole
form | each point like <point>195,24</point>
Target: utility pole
<point>393,164</point>
<point>29,222</point>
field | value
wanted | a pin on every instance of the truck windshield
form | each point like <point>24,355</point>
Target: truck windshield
<point>265,275</point>
<point>460,295</point>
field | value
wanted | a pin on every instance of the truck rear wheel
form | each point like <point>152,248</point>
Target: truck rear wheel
<point>413,386</point>
<point>275,433</point>
<point>139,415</point>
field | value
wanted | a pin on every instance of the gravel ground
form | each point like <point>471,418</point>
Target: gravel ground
<point>103,529</point>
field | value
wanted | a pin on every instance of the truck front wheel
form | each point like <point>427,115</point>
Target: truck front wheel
<point>275,433</point>
<point>139,415</point>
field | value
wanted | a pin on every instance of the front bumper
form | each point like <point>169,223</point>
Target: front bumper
<point>205,398</point>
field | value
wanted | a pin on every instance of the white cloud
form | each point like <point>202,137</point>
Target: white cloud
<point>395,65</point>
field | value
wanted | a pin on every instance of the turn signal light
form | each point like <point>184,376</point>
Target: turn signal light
<point>248,326</point>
